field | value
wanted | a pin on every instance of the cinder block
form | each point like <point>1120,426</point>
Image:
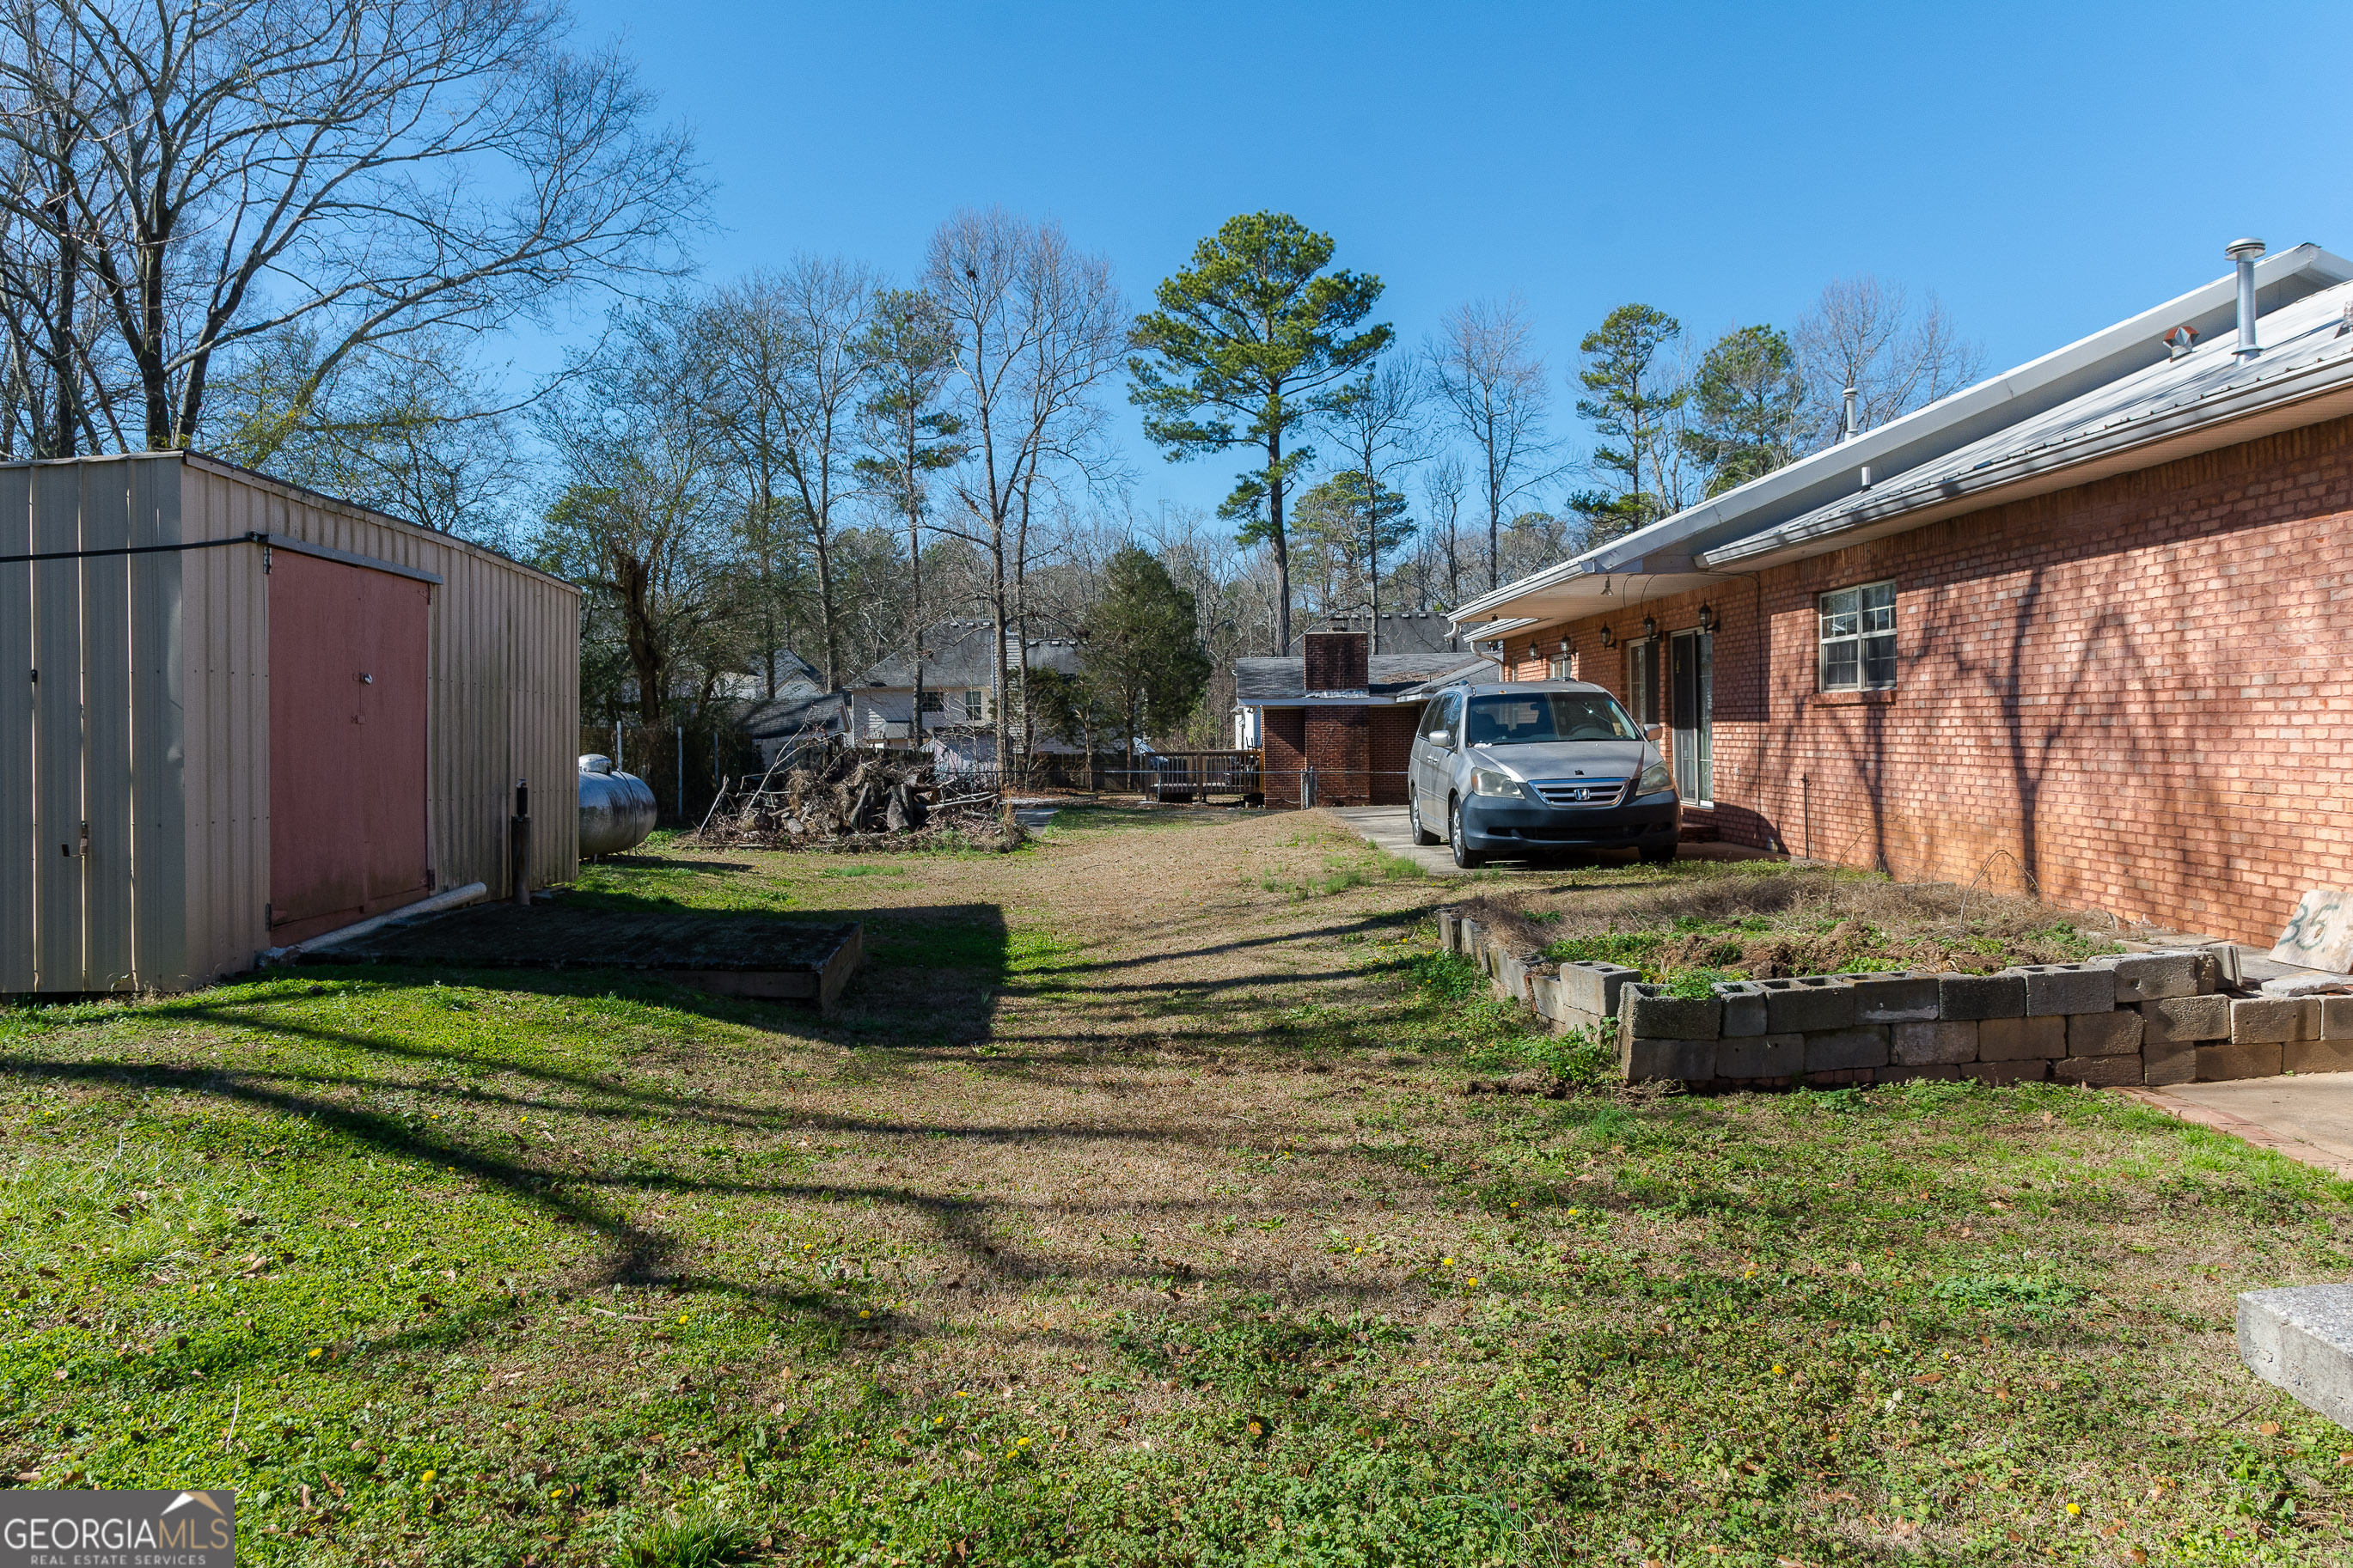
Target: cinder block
<point>1569,1020</point>
<point>1807,1002</point>
<point>1592,987</point>
<point>2067,988</point>
<point>1512,976</point>
<point>1896,997</point>
<point>2029,1071</point>
<point>2301,1339</point>
<point>2100,1072</point>
<point>2168,1061</point>
<point>1467,936</point>
<point>1448,929</point>
<point>1761,1056</point>
<point>1839,1050</point>
<point>1544,994</point>
<point>2153,976</point>
<point>1905,1075</point>
<point>2185,1020</point>
<point>2259,1058</point>
<point>2115,1033</point>
<point>2267,1020</point>
<point>2337,1018</point>
<point>1981,997</point>
<point>1666,1061</point>
<point>2317,1056</point>
<point>1945,1041</point>
<point>1744,1009</point>
<point>1650,1013</point>
<point>2021,1039</point>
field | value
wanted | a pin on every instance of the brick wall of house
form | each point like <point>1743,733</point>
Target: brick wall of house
<point>2129,695</point>
<point>1340,750</point>
<point>1392,749</point>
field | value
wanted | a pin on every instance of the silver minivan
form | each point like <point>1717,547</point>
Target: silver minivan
<point>1539,767</point>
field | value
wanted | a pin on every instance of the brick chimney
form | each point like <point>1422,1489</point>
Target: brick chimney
<point>1337,662</point>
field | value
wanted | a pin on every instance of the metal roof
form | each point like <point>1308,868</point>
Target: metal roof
<point>2104,378</point>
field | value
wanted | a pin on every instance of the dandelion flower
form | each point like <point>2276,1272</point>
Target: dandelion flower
<point>317,1353</point>
<point>861,1313</point>
<point>1472,1280</point>
<point>1022,1443</point>
<point>2075,1508</point>
<point>681,1317</point>
<point>1448,1262</point>
<point>1780,1372</point>
<point>426,1478</point>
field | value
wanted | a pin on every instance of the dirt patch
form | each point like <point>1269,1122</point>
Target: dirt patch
<point>1766,920</point>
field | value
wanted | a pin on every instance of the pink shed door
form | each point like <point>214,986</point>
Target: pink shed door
<point>347,814</point>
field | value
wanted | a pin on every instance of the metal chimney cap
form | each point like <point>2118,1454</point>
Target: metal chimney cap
<point>2244,249</point>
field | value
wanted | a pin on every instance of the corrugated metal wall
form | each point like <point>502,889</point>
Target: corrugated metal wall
<point>148,723</point>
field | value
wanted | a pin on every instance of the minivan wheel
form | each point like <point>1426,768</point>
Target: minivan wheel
<point>1464,856</point>
<point>1413,814</point>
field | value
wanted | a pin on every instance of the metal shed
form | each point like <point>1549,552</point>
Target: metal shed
<point>235,714</point>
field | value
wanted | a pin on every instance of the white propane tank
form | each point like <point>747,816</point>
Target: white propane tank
<point>617,809</point>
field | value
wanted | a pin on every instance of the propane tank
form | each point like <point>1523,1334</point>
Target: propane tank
<point>617,809</point>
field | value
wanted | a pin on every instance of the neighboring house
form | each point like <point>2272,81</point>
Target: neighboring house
<point>801,707</point>
<point>959,688</point>
<point>1341,716</point>
<point>2079,629</point>
<point>1418,633</point>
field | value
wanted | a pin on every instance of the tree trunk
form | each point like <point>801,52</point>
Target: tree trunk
<point>1281,545</point>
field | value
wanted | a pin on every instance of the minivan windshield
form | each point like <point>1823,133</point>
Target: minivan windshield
<point>1506,721</point>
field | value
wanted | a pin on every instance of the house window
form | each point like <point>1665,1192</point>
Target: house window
<point>1560,670</point>
<point>971,706</point>
<point>1858,639</point>
<point>934,702</point>
<point>1642,680</point>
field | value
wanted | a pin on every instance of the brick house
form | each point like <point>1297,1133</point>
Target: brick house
<point>2077,629</point>
<point>1335,723</point>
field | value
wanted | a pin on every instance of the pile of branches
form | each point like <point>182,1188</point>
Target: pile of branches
<point>827,795</point>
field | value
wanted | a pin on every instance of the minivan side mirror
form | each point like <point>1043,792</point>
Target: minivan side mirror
<point>1438,737</point>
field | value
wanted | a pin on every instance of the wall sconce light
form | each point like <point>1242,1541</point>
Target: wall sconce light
<point>1607,639</point>
<point>1707,618</point>
<point>1650,625</point>
<point>1564,650</point>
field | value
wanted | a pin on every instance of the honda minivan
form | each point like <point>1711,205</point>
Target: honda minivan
<point>1535,768</point>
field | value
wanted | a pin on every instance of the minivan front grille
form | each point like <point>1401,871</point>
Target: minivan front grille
<point>1578,792</point>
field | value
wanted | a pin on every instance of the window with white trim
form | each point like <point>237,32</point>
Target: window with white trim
<point>1857,629</point>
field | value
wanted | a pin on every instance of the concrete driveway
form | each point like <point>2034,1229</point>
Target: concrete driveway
<point>2308,1116</point>
<point>1388,828</point>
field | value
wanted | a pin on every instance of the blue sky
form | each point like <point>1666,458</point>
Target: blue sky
<point>2047,169</point>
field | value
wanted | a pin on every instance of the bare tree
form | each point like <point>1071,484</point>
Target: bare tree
<point>221,169</point>
<point>787,367</point>
<point>1494,384</point>
<point>1866,334</point>
<point>1377,420</point>
<point>1442,497</point>
<point>637,518</point>
<point>1039,325</point>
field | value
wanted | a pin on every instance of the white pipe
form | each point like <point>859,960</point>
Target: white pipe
<point>432,906</point>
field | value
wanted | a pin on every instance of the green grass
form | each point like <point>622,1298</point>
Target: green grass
<point>495,1269</point>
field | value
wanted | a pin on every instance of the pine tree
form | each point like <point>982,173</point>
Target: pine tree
<point>1748,406</point>
<point>1245,348</point>
<point>1629,410</point>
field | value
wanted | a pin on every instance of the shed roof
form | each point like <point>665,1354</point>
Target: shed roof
<point>960,656</point>
<point>2114,397</point>
<point>1283,683</point>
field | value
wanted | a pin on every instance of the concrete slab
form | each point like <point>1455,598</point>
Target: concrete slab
<point>1388,828</point>
<point>2301,1339</point>
<point>2308,1116</point>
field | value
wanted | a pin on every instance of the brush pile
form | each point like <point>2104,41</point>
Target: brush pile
<point>835,797</point>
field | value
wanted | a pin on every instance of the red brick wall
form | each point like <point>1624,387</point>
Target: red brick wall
<point>1340,750</point>
<point>1282,753</point>
<point>1392,749</point>
<point>1336,661</point>
<point>2128,696</point>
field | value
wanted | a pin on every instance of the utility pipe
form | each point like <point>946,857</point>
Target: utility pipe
<point>432,906</point>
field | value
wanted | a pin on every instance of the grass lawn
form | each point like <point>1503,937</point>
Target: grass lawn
<point>1130,1212</point>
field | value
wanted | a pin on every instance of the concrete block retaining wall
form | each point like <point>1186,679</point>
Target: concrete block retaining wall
<point>2156,1017</point>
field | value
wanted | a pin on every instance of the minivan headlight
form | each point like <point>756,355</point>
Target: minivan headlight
<point>1486,781</point>
<point>1654,778</point>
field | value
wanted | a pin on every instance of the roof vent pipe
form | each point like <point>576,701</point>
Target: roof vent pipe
<point>1848,430</point>
<point>2243,252</point>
